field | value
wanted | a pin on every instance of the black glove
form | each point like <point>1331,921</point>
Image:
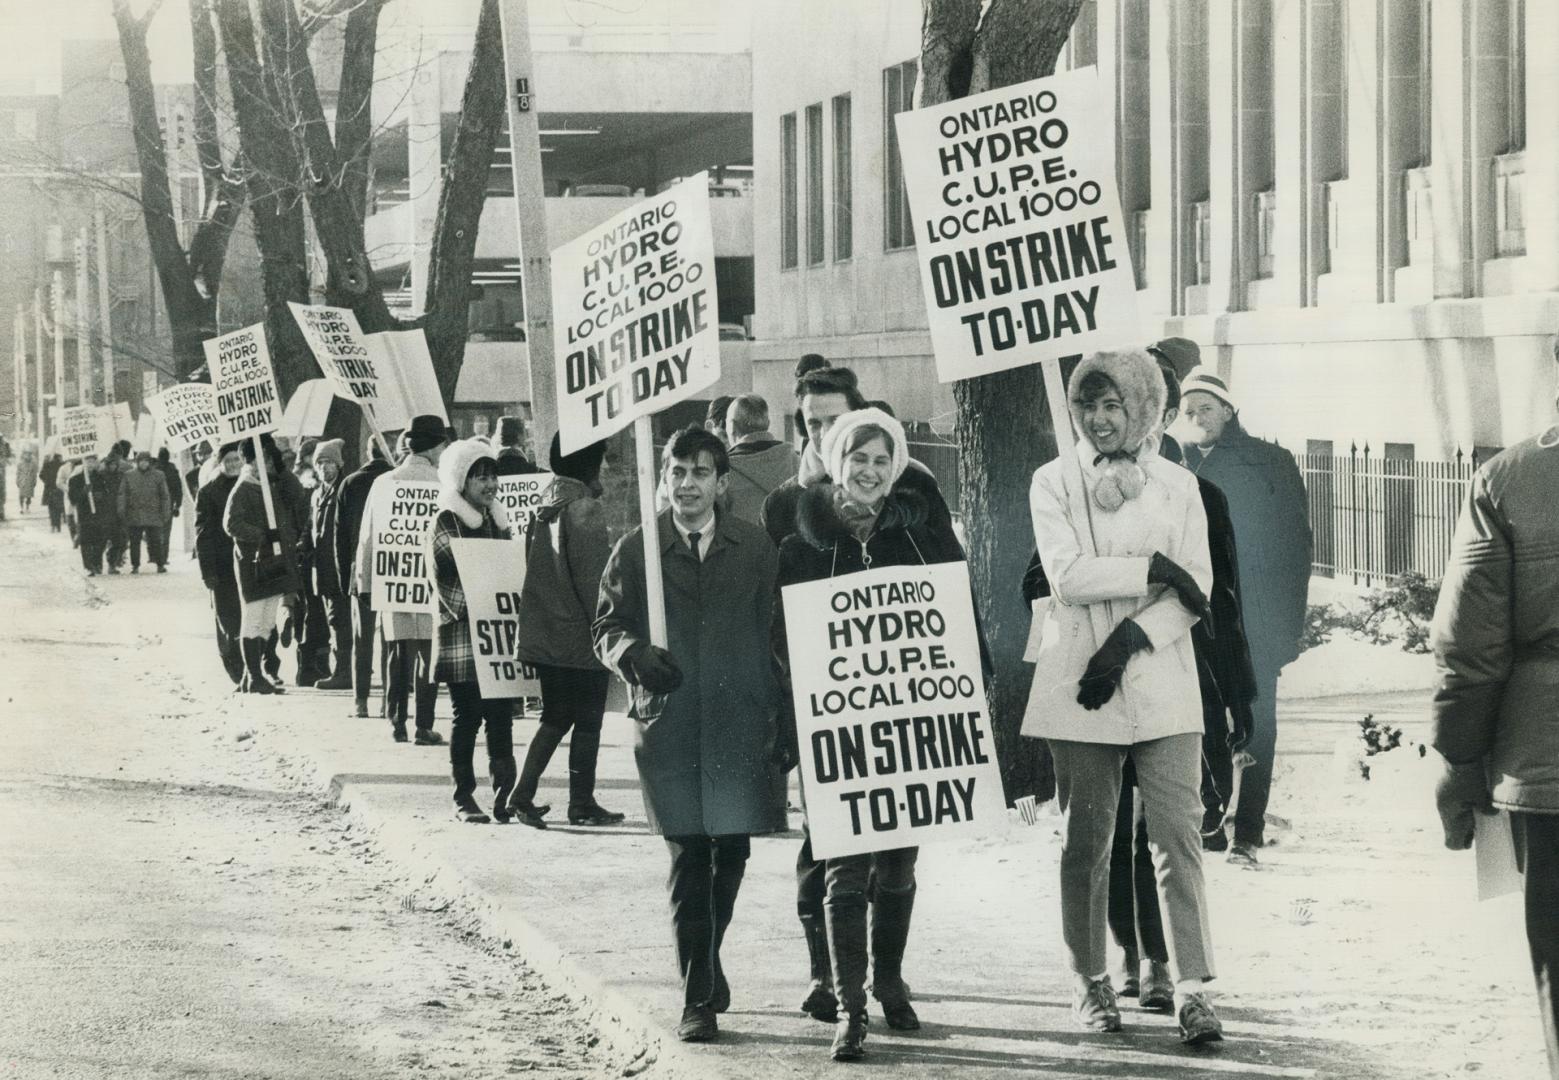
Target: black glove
<point>1165,571</point>
<point>273,536</point>
<point>1244,726</point>
<point>1463,791</point>
<point>654,669</point>
<point>1103,675</point>
<point>1035,584</point>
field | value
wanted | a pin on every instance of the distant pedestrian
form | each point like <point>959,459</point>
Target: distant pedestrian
<point>265,559</point>
<point>1138,564</point>
<point>170,473</point>
<point>1272,532</point>
<point>114,466</point>
<point>511,455</point>
<point>62,485</point>
<point>860,521</point>
<point>26,479</point>
<point>214,553</point>
<point>759,462</point>
<point>145,506</point>
<point>1495,636</point>
<point>92,495</point>
<point>566,553</point>
<point>703,707</point>
<point>329,579</point>
<point>714,417</point>
<point>53,497</point>
<point>353,501</point>
<point>468,480</point>
<point>410,633</point>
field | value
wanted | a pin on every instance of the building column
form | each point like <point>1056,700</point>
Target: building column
<point>1542,154</point>
<point>1291,100</point>
<point>1167,243</point>
<point>1450,152</point>
<point>1226,291</point>
<point>1488,104</point>
<point>424,174</point>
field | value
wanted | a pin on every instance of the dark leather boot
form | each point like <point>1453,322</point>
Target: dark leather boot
<point>820,1003</point>
<point>505,774</point>
<point>890,934</point>
<point>846,916</point>
<point>255,681</point>
<point>537,756</point>
<point>583,749</point>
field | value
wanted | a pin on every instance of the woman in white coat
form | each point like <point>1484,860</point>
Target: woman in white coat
<point>1115,678</point>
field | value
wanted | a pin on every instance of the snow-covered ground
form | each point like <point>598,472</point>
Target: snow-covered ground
<point>1346,665</point>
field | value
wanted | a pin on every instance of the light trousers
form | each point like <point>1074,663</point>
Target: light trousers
<point>1088,785</point>
<point>259,618</point>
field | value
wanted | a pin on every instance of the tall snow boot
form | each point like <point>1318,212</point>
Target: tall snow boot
<point>820,1003</point>
<point>846,918</point>
<point>505,774</point>
<point>255,681</point>
<point>890,934</point>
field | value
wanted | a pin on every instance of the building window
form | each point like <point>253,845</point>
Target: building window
<point>814,185</point>
<point>898,92</point>
<point>789,255</point>
<point>844,234</point>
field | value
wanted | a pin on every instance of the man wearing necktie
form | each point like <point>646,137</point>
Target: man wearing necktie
<point>704,707</point>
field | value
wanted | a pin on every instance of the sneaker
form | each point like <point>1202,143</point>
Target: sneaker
<point>1243,854</point>
<point>428,737</point>
<point>1095,1008</point>
<point>1198,1023</point>
<point>1158,989</point>
<point>698,1024</point>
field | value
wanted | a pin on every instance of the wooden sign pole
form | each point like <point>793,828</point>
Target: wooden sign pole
<point>654,587</point>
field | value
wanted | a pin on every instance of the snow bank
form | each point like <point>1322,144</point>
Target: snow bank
<point>1346,665</point>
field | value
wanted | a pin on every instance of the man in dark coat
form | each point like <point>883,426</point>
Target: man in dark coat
<point>759,462</point>
<point>511,458</point>
<point>352,501</point>
<point>1496,645</point>
<point>329,585</point>
<point>170,474</point>
<point>117,537</point>
<point>93,494</point>
<point>1272,530</point>
<point>214,552</point>
<point>704,708</point>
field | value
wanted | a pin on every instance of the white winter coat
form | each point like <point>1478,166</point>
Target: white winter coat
<point>1159,694</point>
<point>397,625</point>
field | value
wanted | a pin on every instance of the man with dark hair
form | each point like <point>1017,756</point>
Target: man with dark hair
<point>511,454</point>
<point>714,416</point>
<point>113,467</point>
<point>1496,644</point>
<point>324,521</point>
<point>170,473</point>
<point>808,363</point>
<point>1272,527</point>
<point>353,501</point>
<point>759,462</point>
<point>92,492</point>
<point>704,762</point>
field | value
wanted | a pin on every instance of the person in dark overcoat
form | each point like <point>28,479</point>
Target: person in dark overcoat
<point>93,493</point>
<point>257,546</point>
<point>146,506</point>
<point>703,707</point>
<point>353,501</point>
<point>214,552</point>
<point>860,521</point>
<point>329,583</point>
<point>170,473</point>
<point>52,498</point>
<point>1272,527</point>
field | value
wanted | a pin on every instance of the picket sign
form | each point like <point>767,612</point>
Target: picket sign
<point>401,517</point>
<point>896,739</point>
<point>187,415</point>
<point>636,330</point>
<point>1021,241</point>
<point>520,497</point>
<point>492,577</point>
<point>247,400</point>
<point>338,345</point>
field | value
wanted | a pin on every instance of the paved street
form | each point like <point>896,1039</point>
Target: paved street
<point>175,906</point>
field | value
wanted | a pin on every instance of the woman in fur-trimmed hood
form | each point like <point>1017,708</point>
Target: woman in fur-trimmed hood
<point>859,521</point>
<point>468,481</point>
<point>1115,677</point>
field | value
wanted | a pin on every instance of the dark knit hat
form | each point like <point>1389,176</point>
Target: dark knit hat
<point>582,465</point>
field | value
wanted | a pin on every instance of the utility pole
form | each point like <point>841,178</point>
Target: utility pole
<point>58,313</point>
<point>37,322</point>
<point>19,372</point>
<point>105,335</point>
<point>83,324</point>
<point>530,205</point>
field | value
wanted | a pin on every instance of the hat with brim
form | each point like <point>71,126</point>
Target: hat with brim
<point>1203,381</point>
<point>426,432</point>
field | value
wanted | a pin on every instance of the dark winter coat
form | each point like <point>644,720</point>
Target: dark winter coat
<point>823,546</point>
<point>299,507</point>
<point>1272,529</point>
<point>144,501</point>
<point>99,513</point>
<point>704,752</point>
<point>513,463</point>
<point>1496,629</point>
<point>454,658</point>
<point>757,468</point>
<point>779,509</point>
<point>170,473</point>
<point>565,555</point>
<point>324,515</point>
<point>349,516</point>
<point>245,521</point>
<point>213,547</point>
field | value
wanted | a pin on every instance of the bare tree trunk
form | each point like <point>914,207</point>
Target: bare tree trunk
<point>190,281</point>
<point>461,199</point>
<point>354,103</point>
<point>1003,422</point>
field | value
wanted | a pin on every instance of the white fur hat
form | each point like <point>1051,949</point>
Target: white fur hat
<point>1208,382</point>
<point>456,461</point>
<point>838,438</point>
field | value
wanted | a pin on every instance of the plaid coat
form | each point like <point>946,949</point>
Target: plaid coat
<point>455,660</point>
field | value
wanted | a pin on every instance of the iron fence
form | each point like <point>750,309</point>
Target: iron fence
<point>1375,518</point>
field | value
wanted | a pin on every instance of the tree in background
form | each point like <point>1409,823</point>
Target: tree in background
<point>1003,422</point>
